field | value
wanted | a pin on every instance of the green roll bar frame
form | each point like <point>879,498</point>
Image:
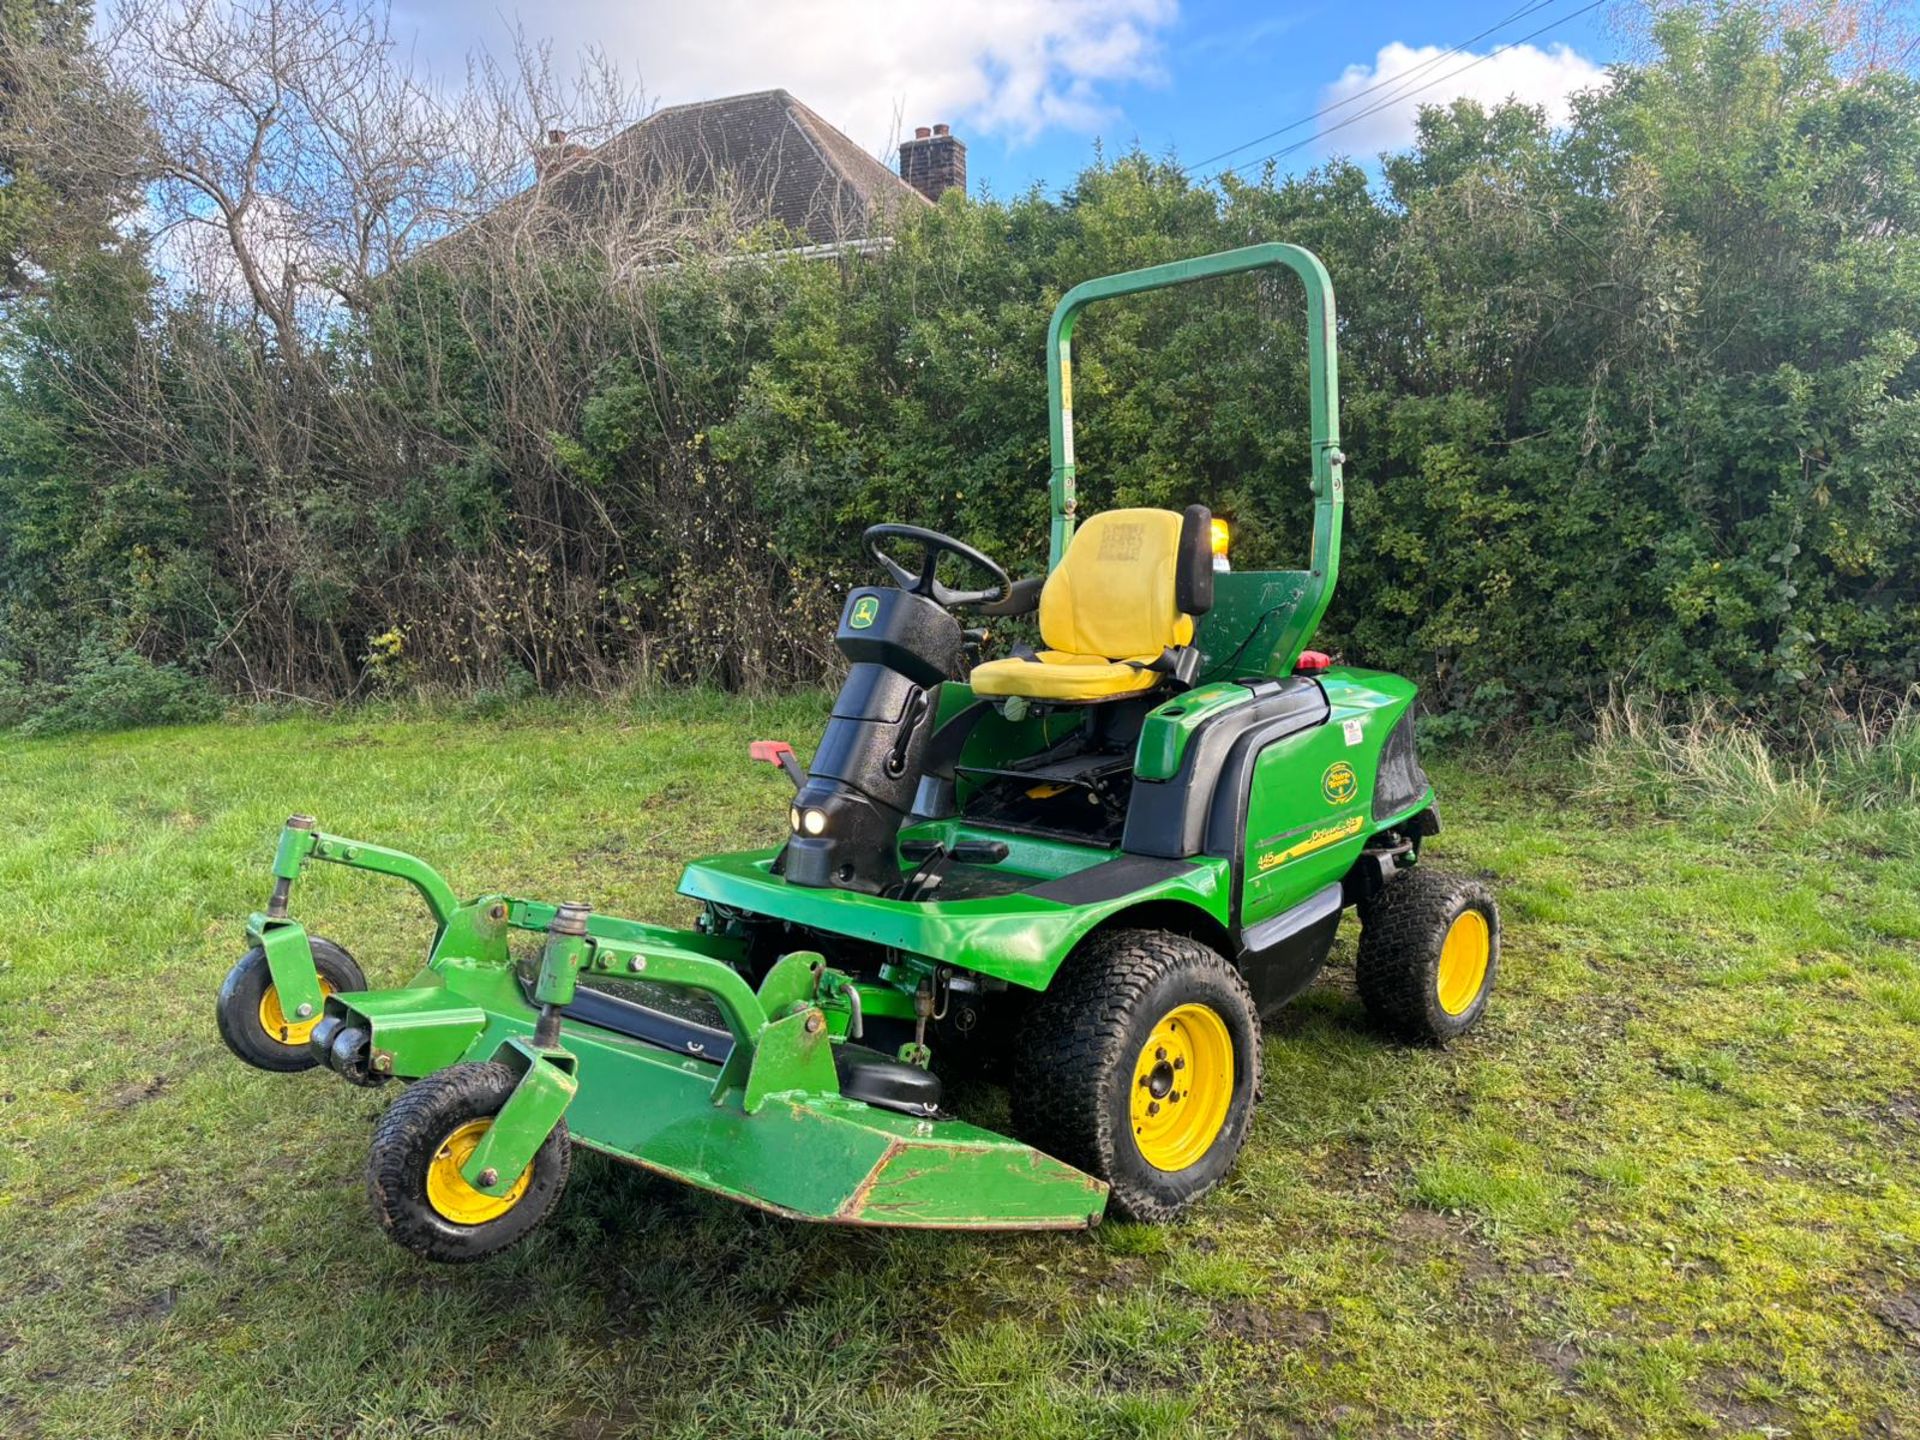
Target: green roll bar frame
<point>1243,600</point>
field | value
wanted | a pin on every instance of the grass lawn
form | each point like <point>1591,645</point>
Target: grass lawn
<point>1669,1188</point>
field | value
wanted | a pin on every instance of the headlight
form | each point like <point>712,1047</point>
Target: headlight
<point>793,816</point>
<point>815,821</point>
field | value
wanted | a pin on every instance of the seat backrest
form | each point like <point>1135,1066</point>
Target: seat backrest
<point>1130,584</point>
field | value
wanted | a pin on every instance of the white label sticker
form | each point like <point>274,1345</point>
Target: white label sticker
<point>1354,730</point>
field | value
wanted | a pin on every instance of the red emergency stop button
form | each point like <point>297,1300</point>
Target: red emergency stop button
<point>1312,662</point>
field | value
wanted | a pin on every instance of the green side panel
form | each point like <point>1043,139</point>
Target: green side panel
<point>827,1159</point>
<point>1310,811</point>
<point>1018,938</point>
<point>1164,735</point>
<point>995,740</point>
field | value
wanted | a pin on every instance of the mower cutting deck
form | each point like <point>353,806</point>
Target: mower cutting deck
<point>1086,872</point>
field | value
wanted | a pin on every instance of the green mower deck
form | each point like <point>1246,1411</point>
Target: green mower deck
<point>750,1109</point>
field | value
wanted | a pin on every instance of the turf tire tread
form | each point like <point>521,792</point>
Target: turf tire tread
<point>1070,1053</point>
<point>406,1138</point>
<point>1401,930</point>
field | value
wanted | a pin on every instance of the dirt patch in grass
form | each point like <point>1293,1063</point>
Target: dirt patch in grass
<point>1275,1328</point>
<point>1901,1313</point>
<point>139,1093</point>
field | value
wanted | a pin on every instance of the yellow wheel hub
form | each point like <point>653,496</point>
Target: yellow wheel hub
<point>447,1189</point>
<point>274,1021</point>
<point>1182,1087</point>
<point>1463,961</point>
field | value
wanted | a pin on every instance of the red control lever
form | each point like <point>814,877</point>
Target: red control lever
<point>778,752</point>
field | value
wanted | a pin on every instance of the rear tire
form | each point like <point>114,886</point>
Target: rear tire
<point>249,1015</point>
<point>1429,954</point>
<point>1141,1065</point>
<point>413,1173</point>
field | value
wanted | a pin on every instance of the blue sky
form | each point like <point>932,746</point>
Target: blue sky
<point>1030,84</point>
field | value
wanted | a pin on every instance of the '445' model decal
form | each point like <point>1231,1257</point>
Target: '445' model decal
<point>1319,840</point>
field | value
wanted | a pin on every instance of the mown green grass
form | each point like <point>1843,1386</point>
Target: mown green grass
<point>1668,1189</point>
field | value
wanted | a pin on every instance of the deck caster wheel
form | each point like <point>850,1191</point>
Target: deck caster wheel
<point>414,1180</point>
<point>1429,954</point>
<point>249,1015</point>
<point>1141,1065</point>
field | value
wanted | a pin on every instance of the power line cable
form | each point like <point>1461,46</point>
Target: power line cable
<point>1429,63</point>
<point>1396,99</point>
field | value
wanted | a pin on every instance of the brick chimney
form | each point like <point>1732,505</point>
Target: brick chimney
<point>557,154</point>
<point>934,162</point>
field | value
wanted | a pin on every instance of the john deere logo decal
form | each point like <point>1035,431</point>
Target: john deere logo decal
<point>864,609</point>
<point>1339,784</point>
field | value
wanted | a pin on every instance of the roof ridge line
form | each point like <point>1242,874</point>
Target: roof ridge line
<point>716,100</point>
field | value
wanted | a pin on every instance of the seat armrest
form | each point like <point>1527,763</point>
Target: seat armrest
<point>1022,598</point>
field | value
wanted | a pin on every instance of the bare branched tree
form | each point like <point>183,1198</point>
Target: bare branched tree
<point>332,228</point>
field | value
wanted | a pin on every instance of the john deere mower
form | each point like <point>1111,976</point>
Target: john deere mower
<point>1086,871</point>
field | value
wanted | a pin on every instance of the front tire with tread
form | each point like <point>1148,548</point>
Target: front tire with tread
<point>1076,1063</point>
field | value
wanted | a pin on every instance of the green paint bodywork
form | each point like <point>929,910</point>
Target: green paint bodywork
<point>1164,736</point>
<point>546,1088</point>
<point>290,961</point>
<point>1016,937</point>
<point>766,1124</point>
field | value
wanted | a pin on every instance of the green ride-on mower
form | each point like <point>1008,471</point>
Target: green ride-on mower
<point>1086,872</point>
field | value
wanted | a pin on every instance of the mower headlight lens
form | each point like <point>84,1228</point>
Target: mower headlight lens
<point>793,817</point>
<point>1222,537</point>
<point>815,821</point>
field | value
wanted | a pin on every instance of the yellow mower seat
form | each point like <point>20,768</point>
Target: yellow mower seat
<point>1112,607</point>
<point>1055,675</point>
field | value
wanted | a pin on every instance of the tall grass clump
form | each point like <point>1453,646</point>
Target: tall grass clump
<point>1707,757</point>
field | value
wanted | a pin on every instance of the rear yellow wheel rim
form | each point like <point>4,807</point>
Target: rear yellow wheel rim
<point>447,1189</point>
<point>274,1021</point>
<point>1182,1087</point>
<point>1464,955</point>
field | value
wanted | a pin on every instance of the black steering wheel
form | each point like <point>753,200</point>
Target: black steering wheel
<point>925,582</point>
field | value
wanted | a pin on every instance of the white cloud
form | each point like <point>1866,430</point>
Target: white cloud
<point>1011,68</point>
<point>1532,76</point>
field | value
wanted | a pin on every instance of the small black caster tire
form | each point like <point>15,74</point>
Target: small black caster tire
<point>1429,955</point>
<point>413,1175</point>
<point>249,1015</point>
<point>1141,1065</point>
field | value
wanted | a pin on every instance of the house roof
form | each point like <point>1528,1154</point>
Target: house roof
<point>765,152</point>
